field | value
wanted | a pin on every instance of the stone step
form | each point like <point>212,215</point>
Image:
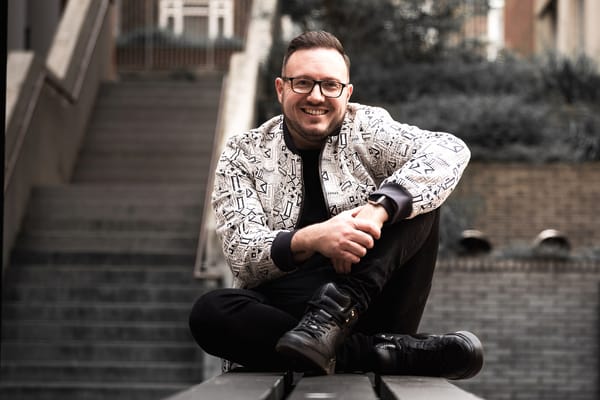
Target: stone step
<point>151,153</point>
<point>37,310</point>
<point>127,143</point>
<point>49,390</point>
<point>152,101</point>
<point>159,258</point>
<point>190,126</point>
<point>148,132</point>
<point>150,92</point>
<point>116,201</point>
<point>151,210</point>
<point>178,236</point>
<point>162,114</point>
<point>88,275</point>
<point>156,99</point>
<point>113,242</point>
<point>142,165</point>
<point>157,193</point>
<point>139,332</point>
<point>97,297</point>
<point>133,177</point>
<point>101,351</point>
<point>47,223</point>
<point>185,99</point>
<point>94,371</point>
<point>115,292</point>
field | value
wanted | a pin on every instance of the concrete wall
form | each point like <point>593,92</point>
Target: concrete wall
<point>512,203</point>
<point>571,30</point>
<point>538,323</point>
<point>48,103</point>
<point>518,26</point>
<point>31,24</point>
<point>538,320</point>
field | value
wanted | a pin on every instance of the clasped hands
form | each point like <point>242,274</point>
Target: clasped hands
<point>344,238</point>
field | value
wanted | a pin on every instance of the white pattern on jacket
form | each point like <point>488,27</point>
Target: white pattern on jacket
<point>258,188</point>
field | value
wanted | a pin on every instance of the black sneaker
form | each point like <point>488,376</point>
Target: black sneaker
<point>456,355</point>
<point>313,342</point>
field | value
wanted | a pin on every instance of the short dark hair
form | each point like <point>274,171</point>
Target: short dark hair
<point>313,40</point>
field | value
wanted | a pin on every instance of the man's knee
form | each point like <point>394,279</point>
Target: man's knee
<point>208,316</point>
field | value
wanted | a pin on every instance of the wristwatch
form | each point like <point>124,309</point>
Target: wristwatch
<point>384,201</point>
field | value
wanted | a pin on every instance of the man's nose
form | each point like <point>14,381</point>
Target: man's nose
<point>315,93</point>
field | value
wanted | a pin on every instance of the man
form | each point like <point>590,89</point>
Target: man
<point>329,216</point>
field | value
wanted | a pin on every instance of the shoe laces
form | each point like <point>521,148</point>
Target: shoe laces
<point>317,322</point>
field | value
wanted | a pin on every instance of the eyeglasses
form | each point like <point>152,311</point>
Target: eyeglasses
<point>329,88</point>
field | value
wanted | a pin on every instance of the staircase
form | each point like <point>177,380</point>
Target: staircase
<point>97,295</point>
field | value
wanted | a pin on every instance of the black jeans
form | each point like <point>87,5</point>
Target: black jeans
<point>391,285</point>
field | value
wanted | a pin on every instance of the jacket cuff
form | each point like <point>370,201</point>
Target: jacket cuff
<point>399,197</point>
<point>281,251</point>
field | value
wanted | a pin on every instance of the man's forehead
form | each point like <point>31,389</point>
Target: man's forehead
<point>318,60</point>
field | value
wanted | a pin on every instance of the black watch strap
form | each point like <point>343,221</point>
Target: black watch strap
<point>385,202</point>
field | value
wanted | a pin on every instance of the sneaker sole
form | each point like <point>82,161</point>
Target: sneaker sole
<point>307,357</point>
<point>477,354</point>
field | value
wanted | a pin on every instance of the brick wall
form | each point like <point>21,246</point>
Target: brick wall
<point>518,26</point>
<point>538,323</point>
<point>512,203</point>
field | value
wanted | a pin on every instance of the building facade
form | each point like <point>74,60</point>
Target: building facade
<point>565,27</point>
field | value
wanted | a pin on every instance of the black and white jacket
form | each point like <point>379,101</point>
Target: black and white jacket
<point>258,192</point>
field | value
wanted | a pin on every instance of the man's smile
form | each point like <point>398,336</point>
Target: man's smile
<point>314,111</point>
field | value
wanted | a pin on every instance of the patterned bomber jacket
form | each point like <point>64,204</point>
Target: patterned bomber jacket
<point>258,192</point>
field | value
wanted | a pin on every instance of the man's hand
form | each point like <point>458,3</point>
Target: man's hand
<point>369,212</point>
<point>344,239</point>
<point>375,213</point>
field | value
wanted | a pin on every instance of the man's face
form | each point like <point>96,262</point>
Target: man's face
<point>312,117</point>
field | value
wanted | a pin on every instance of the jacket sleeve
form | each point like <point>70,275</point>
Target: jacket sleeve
<point>240,220</point>
<point>426,165</point>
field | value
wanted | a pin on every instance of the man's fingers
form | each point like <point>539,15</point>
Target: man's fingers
<point>362,239</point>
<point>367,227</point>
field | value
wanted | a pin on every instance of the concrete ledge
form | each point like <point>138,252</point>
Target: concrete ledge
<point>277,386</point>
<point>420,388</point>
<point>239,386</point>
<point>75,38</point>
<point>26,76</point>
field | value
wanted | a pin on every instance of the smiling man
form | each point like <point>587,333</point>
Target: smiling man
<point>313,110</point>
<point>329,215</point>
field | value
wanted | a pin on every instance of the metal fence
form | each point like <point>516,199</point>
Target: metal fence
<point>163,35</point>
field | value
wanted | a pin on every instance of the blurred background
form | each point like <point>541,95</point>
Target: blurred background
<point>116,110</point>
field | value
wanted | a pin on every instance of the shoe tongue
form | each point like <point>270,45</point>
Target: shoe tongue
<point>332,306</point>
<point>333,296</point>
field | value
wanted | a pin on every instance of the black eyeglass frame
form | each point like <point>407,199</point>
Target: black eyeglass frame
<point>315,82</point>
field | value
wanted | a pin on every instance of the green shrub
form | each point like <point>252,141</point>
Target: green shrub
<point>508,128</point>
<point>574,80</point>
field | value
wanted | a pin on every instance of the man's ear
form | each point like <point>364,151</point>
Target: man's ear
<point>279,88</point>
<point>349,90</point>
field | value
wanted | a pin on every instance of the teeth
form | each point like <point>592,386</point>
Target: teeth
<point>314,112</point>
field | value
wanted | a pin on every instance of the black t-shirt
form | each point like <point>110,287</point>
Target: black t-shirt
<point>314,208</point>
